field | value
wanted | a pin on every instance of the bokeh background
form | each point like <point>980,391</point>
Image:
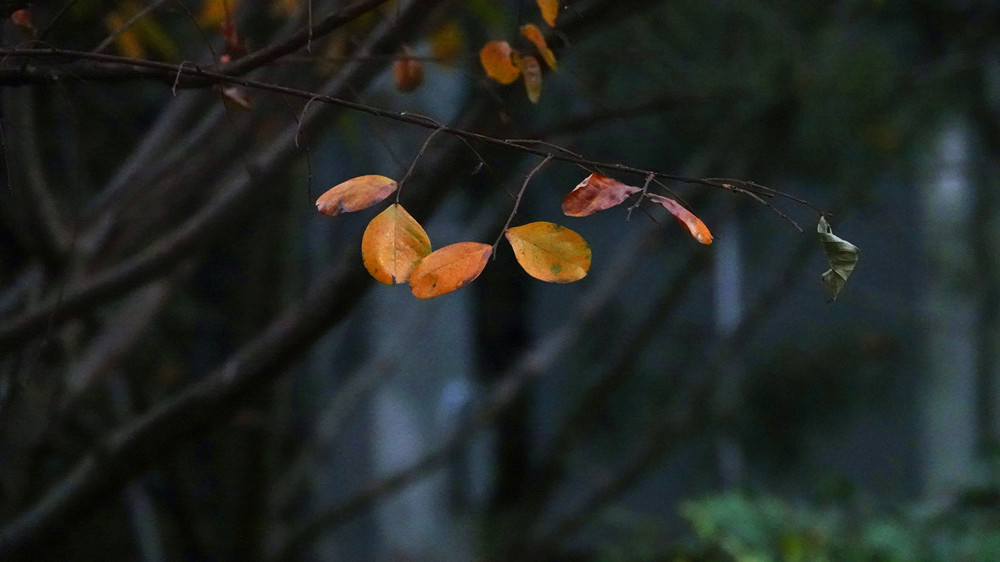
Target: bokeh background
<point>682,402</point>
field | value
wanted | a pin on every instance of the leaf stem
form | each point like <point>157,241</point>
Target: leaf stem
<point>645,187</point>
<point>413,164</point>
<point>517,200</point>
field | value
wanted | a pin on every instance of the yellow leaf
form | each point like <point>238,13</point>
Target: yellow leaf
<point>550,252</point>
<point>694,225</point>
<point>495,57</point>
<point>355,194</point>
<point>447,42</point>
<point>448,269</point>
<point>393,243</point>
<point>550,10</point>
<point>534,35</point>
<point>532,77</point>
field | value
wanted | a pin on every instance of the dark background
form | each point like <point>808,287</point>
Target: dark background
<point>250,393</point>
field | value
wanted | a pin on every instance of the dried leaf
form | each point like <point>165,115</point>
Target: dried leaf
<point>496,58</point>
<point>534,35</point>
<point>408,71</point>
<point>355,194</point>
<point>694,225</point>
<point>550,10</point>
<point>448,269</point>
<point>392,245</point>
<point>841,255</point>
<point>550,252</point>
<point>532,77</point>
<point>237,96</point>
<point>596,193</point>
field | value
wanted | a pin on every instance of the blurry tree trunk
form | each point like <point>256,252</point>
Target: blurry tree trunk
<point>949,416</point>
<point>728,295</point>
<point>986,238</point>
<point>501,338</point>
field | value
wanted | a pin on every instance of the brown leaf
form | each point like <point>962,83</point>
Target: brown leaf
<point>694,225</point>
<point>550,252</point>
<point>392,245</point>
<point>496,58</point>
<point>355,194</point>
<point>534,35</point>
<point>448,269</point>
<point>532,77</point>
<point>408,71</point>
<point>596,193</point>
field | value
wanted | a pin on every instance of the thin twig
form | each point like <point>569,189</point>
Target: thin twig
<point>517,201</point>
<point>151,70</point>
<point>62,12</point>
<point>413,164</point>
<point>305,144</point>
<point>545,144</point>
<point>645,188</point>
<point>127,25</point>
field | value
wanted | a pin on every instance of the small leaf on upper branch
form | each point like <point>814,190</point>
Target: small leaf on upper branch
<point>532,77</point>
<point>596,193</point>
<point>534,35</point>
<point>214,12</point>
<point>496,58</point>
<point>694,225</point>
<point>449,268</point>
<point>550,252</point>
<point>355,194</point>
<point>550,10</point>
<point>841,255</point>
<point>447,42</point>
<point>392,245</point>
<point>408,71</point>
<point>22,20</point>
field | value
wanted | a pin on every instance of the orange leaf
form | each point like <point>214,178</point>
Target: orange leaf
<point>685,217</point>
<point>355,194</point>
<point>496,59</point>
<point>595,193</point>
<point>448,269</point>
<point>214,12</point>
<point>533,34</point>
<point>392,244</point>
<point>550,10</point>
<point>408,71</point>
<point>532,77</point>
<point>550,252</point>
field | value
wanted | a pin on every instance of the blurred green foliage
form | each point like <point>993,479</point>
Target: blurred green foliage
<point>766,528</point>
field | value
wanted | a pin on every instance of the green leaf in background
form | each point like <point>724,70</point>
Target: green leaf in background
<point>840,254</point>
